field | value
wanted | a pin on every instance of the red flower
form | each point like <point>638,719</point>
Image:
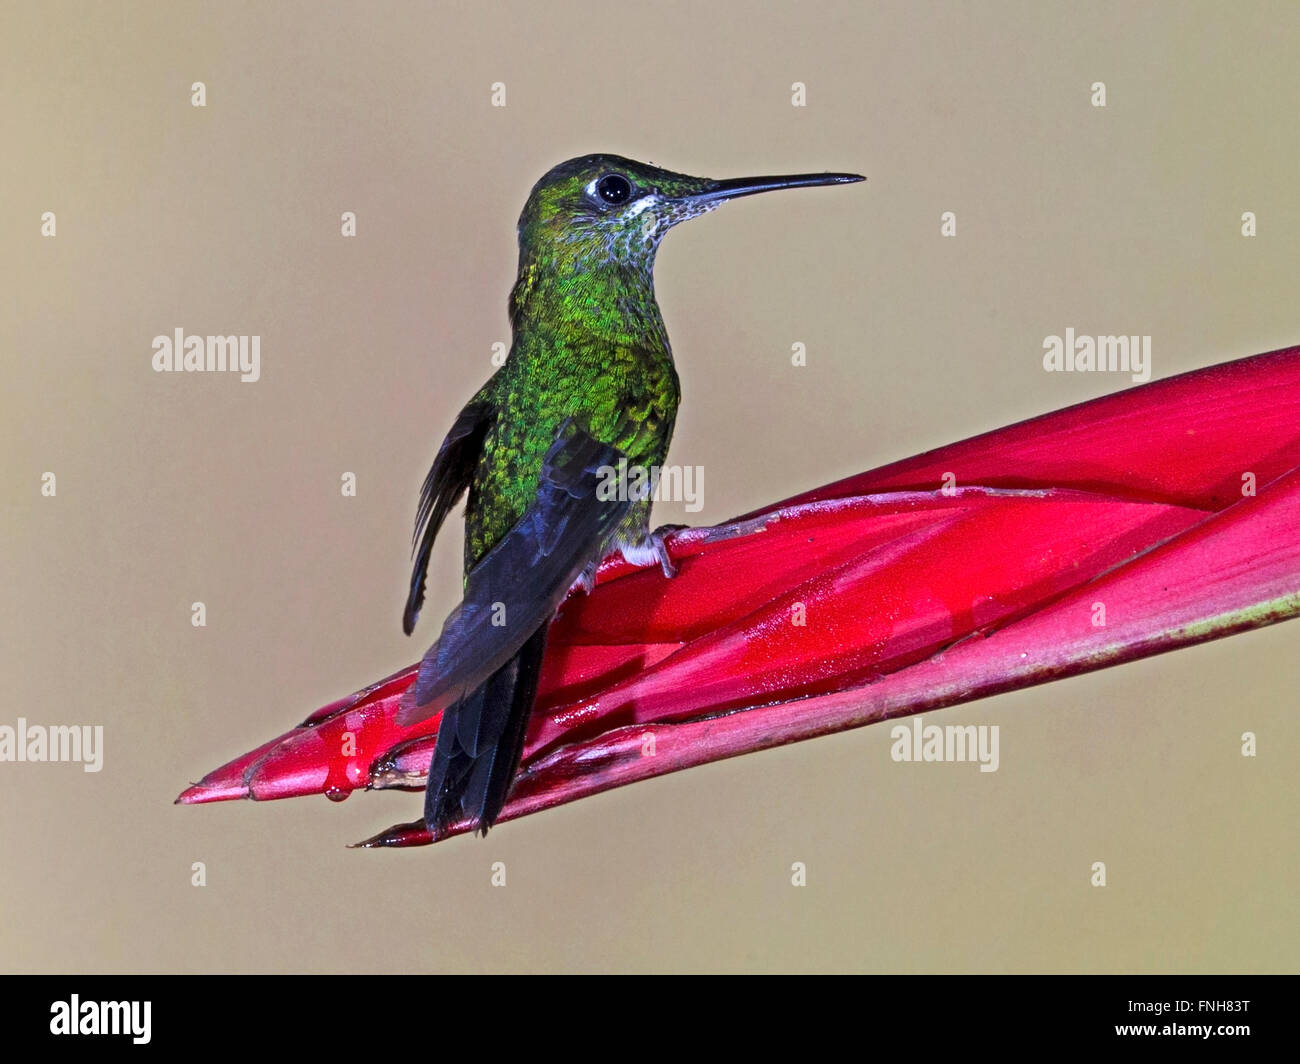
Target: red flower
<point>1147,520</point>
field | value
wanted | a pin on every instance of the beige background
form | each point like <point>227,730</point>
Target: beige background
<point>176,488</point>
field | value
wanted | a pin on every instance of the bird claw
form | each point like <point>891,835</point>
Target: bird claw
<point>651,549</point>
<point>657,538</point>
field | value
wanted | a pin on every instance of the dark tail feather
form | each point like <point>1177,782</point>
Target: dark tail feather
<point>480,743</point>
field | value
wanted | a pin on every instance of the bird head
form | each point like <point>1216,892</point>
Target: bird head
<point>604,209</point>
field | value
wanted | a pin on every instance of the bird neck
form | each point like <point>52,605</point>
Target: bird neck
<point>605,302</point>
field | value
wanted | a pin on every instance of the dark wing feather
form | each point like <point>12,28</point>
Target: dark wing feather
<point>449,476</point>
<point>518,585</point>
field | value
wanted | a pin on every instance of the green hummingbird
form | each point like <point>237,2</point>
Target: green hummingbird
<point>589,382</point>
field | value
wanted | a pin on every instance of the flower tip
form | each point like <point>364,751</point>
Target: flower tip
<point>201,793</point>
<point>399,835</point>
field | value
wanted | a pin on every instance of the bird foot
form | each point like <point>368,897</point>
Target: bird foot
<point>657,538</point>
<point>652,549</point>
<point>587,578</point>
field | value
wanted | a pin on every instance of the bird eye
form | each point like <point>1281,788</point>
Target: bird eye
<point>614,189</point>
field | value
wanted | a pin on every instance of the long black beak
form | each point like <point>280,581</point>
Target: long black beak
<point>749,186</point>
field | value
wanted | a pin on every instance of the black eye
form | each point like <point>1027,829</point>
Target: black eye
<point>614,188</point>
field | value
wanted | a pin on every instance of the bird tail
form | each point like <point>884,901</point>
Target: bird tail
<point>480,743</point>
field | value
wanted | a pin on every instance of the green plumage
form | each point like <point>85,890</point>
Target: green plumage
<point>589,344</point>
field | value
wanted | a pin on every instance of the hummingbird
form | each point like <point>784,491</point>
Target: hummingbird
<point>589,383</point>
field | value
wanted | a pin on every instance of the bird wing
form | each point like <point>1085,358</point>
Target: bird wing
<point>519,584</point>
<point>449,476</point>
